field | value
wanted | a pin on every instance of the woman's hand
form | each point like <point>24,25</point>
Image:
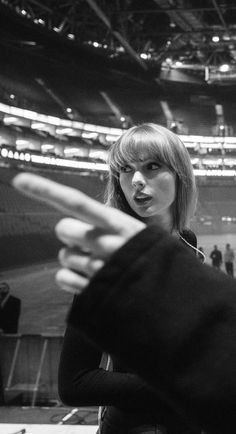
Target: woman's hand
<point>91,236</point>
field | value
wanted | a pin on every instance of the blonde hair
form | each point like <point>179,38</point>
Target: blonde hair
<point>156,142</point>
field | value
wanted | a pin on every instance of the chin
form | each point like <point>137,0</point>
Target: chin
<point>145,214</point>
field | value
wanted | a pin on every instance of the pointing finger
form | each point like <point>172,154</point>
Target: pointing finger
<point>66,199</point>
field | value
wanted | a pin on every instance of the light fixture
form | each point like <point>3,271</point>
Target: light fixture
<point>46,147</point>
<point>38,126</point>
<point>4,152</point>
<point>64,131</point>
<point>215,38</point>
<point>22,142</point>
<point>10,120</point>
<point>88,135</point>
<point>144,56</point>
<point>178,64</point>
<point>70,150</point>
<point>224,68</point>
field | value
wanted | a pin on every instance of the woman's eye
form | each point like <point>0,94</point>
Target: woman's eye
<point>153,166</point>
<point>125,169</point>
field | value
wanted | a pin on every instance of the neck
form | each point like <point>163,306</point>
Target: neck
<point>164,221</point>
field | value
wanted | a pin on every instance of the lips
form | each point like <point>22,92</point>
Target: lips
<point>142,199</point>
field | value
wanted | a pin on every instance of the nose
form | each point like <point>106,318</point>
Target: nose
<point>138,180</point>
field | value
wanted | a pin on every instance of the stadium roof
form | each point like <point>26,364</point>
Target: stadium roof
<point>112,61</point>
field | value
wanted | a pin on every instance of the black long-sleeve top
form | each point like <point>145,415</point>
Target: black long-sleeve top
<point>154,299</point>
<point>82,382</point>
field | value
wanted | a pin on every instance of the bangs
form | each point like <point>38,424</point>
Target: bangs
<point>137,147</point>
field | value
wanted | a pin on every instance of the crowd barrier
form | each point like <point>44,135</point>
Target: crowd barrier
<point>29,369</point>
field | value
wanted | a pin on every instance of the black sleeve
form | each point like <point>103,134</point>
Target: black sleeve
<point>172,320</point>
<point>82,382</point>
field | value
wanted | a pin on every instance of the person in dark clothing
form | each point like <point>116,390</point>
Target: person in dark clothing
<point>201,254</point>
<point>229,260</point>
<point>172,322</point>
<point>162,313</point>
<point>151,178</point>
<point>216,257</point>
<point>10,308</point>
<point>9,318</point>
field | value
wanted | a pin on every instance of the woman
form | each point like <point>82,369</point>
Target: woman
<point>151,178</point>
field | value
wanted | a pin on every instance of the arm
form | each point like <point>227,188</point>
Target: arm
<point>82,382</point>
<point>178,320</point>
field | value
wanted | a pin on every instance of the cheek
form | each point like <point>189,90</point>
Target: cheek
<point>125,186</point>
<point>167,185</point>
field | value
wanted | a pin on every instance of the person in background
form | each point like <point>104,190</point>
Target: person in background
<point>150,178</point>
<point>216,257</point>
<point>229,260</point>
<point>9,319</point>
<point>201,254</point>
<point>10,308</point>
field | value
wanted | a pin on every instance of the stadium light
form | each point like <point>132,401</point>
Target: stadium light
<point>46,147</point>
<point>8,120</point>
<point>144,56</point>
<point>224,68</point>
<point>4,152</point>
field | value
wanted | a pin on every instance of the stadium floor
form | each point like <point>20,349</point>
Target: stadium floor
<point>44,306</point>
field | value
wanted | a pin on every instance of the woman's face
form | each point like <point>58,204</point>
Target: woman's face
<point>149,188</point>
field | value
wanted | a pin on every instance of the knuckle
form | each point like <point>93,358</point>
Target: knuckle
<point>62,256</point>
<point>94,265</point>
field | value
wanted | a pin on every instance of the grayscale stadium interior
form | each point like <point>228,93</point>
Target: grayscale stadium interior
<point>73,75</point>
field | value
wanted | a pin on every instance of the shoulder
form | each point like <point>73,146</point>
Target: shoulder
<point>14,300</point>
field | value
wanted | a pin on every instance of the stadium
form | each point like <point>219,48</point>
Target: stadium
<point>73,77</point>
